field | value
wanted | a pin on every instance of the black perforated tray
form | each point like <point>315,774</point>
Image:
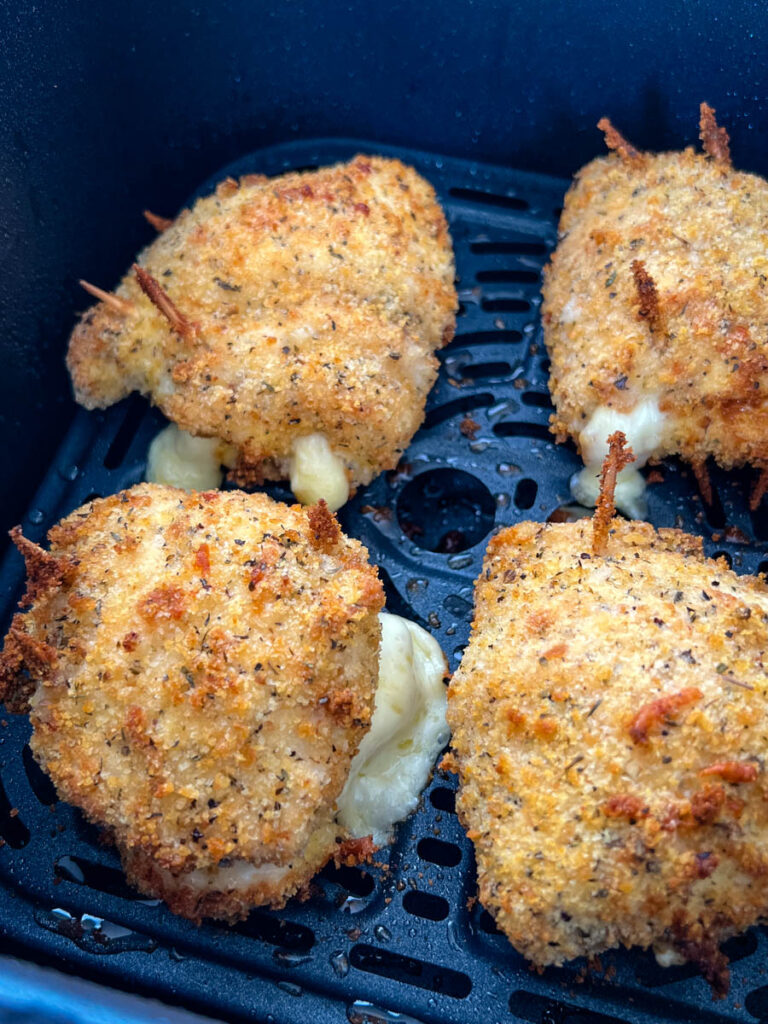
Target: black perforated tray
<point>408,943</point>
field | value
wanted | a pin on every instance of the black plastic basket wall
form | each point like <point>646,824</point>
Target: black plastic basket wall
<point>405,942</point>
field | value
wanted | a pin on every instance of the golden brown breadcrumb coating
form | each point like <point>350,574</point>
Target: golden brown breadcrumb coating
<point>609,726</point>
<point>204,668</point>
<point>658,288</point>
<point>282,307</point>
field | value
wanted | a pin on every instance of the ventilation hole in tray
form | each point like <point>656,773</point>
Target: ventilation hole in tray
<point>486,923</point>
<point>12,828</point>
<point>276,931</point>
<point>85,831</point>
<point>740,946</point>
<point>478,371</point>
<point>96,876</point>
<point>353,880</point>
<point>489,198</point>
<point>486,338</point>
<point>759,517</point>
<point>536,431</point>
<point>93,496</point>
<point>436,851</point>
<point>409,971</point>
<point>521,248</point>
<point>121,442</point>
<point>763,568</point>
<point>525,493</point>
<point>714,512</point>
<point>467,404</point>
<point>507,276</point>
<point>726,555</point>
<point>39,782</point>
<point>540,1010</point>
<point>424,904</point>
<point>95,935</point>
<point>445,510</point>
<point>756,1003</point>
<point>443,799</point>
<point>546,365</point>
<point>537,399</point>
<point>505,305</point>
<point>461,309</point>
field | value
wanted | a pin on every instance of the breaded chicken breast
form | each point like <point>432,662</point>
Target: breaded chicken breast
<point>200,670</point>
<point>609,726</point>
<point>295,318</point>
<point>655,311</point>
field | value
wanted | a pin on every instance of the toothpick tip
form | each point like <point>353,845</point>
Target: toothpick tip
<point>122,306</point>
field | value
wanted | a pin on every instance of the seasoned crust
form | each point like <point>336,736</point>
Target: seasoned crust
<point>196,897</point>
<point>688,231</point>
<point>23,661</point>
<point>279,308</point>
<point>44,572</point>
<point>608,725</point>
<point>649,308</point>
<point>324,526</point>
<point>190,670</point>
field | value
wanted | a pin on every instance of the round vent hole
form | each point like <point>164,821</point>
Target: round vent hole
<point>446,510</point>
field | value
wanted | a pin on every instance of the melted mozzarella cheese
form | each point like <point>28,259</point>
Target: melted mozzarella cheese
<point>239,875</point>
<point>667,956</point>
<point>316,472</point>
<point>179,459</point>
<point>644,430</point>
<point>408,730</point>
<point>629,494</point>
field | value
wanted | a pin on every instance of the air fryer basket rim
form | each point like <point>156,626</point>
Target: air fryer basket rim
<point>408,940</point>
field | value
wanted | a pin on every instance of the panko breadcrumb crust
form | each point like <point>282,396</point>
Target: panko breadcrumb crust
<point>311,302</point>
<point>609,720</point>
<point>201,669</point>
<point>658,288</point>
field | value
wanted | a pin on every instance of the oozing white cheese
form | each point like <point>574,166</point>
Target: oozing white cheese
<point>181,460</point>
<point>408,730</point>
<point>317,473</point>
<point>644,430</point>
<point>667,956</point>
<point>629,494</point>
<point>238,875</point>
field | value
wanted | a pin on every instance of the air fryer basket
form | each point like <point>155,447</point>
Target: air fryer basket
<point>404,941</point>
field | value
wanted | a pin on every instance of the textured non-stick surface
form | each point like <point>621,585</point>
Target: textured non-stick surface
<point>405,942</point>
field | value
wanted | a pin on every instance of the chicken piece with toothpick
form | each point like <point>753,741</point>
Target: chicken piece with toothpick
<point>609,719</point>
<point>293,319</point>
<point>655,312</point>
<point>200,670</point>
